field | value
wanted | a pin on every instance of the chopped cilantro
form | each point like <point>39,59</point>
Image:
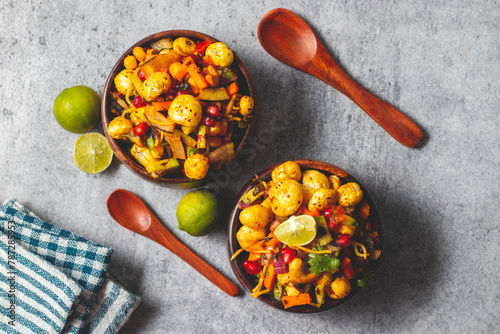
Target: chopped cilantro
<point>319,263</point>
<point>228,74</point>
<point>363,282</point>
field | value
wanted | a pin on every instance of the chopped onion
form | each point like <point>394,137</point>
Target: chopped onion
<point>166,43</point>
<point>242,205</point>
<point>266,258</point>
<point>333,248</point>
<point>280,267</point>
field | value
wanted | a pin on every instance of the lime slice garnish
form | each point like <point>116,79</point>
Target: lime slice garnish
<point>92,153</point>
<point>297,230</point>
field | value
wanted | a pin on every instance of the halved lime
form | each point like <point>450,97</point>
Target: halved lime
<point>92,153</point>
<point>297,230</point>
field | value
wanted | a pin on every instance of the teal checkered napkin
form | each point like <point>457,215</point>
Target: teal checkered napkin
<point>81,260</point>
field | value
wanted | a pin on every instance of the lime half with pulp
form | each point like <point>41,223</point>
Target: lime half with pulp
<point>92,153</point>
<point>297,230</point>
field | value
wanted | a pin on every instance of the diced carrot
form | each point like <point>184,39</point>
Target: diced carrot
<point>181,72</point>
<point>303,211</point>
<point>187,61</point>
<point>365,210</point>
<point>232,89</point>
<point>161,106</point>
<point>253,257</point>
<point>314,212</point>
<point>259,245</point>
<point>273,241</point>
<point>207,61</point>
<point>194,72</point>
<point>269,279</point>
<point>300,299</point>
<point>347,268</point>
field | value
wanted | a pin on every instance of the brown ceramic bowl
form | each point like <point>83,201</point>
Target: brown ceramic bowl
<point>121,148</point>
<point>234,225</point>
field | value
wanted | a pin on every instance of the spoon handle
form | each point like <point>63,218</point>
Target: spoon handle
<point>157,232</point>
<point>389,118</point>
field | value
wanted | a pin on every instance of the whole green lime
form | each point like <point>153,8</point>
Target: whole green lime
<point>77,109</point>
<point>197,212</point>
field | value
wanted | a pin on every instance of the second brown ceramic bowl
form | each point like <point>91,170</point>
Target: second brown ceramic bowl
<point>234,225</point>
<point>120,148</point>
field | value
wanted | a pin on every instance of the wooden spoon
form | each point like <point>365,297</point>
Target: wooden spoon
<point>286,37</point>
<point>130,212</point>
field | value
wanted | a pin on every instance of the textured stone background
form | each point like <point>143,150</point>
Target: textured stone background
<point>436,61</point>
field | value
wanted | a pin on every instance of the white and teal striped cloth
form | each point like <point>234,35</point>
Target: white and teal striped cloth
<point>54,281</point>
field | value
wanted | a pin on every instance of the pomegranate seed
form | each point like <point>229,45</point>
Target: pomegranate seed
<point>208,121</point>
<point>328,214</point>
<point>141,75</point>
<point>252,267</point>
<point>138,102</point>
<point>141,129</point>
<point>213,110</point>
<point>287,255</point>
<point>343,240</point>
<point>332,225</point>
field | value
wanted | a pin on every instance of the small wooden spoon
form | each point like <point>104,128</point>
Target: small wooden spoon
<point>130,212</point>
<point>286,37</point>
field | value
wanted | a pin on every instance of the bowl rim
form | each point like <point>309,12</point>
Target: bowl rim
<point>234,224</point>
<point>133,166</point>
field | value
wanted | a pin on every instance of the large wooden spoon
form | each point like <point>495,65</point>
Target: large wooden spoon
<point>130,212</point>
<point>286,37</point>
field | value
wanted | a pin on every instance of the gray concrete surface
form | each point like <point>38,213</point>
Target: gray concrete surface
<point>436,61</point>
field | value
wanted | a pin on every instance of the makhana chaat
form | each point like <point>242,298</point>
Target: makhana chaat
<point>177,103</point>
<point>307,236</point>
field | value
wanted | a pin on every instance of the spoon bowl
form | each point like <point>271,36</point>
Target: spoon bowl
<point>278,37</point>
<point>131,212</point>
<point>286,37</point>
